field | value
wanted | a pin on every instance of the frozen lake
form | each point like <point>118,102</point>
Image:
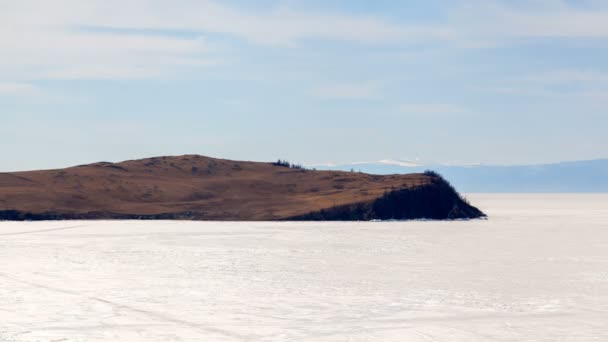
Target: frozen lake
<point>537,270</point>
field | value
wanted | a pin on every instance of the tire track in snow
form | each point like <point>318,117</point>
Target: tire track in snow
<point>154,315</point>
<point>42,230</point>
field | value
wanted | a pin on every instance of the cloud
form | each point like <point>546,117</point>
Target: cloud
<point>17,89</point>
<point>493,20</point>
<point>567,77</point>
<point>44,40</point>
<point>432,109</point>
<point>354,91</point>
<point>278,25</point>
<point>563,84</point>
<point>111,39</point>
<point>46,53</point>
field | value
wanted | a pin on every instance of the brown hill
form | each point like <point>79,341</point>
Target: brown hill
<point>203,188</point>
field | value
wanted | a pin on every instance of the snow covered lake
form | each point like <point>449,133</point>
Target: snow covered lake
<point>536,270</point>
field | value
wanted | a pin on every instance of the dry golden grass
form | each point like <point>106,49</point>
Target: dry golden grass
<point>214,189</point>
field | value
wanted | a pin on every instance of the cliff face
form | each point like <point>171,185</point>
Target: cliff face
<point>436,201</point>
<point>201,188</point>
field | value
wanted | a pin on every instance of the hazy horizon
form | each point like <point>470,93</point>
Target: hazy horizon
<point>384,161</point>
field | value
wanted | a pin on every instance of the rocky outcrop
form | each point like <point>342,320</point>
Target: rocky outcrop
<point>436,201</point>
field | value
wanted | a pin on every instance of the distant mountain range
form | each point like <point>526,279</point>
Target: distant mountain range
<point>576,176</point>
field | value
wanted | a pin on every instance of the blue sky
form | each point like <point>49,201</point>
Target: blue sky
<point>461,81</point>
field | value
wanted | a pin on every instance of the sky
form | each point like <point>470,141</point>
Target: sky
<point>315,81</point>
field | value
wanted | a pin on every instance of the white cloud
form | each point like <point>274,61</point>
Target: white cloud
<point>108,39</point>
<point>566,83</point>
<point>17,88</point>
<point>64,54</point>
<point>361,91</point>
<point>277,26</point>
<point>567,77</point>
<point>493,20</point>
<point>432,109</point>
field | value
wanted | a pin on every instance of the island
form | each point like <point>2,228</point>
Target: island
<point>194,187</point>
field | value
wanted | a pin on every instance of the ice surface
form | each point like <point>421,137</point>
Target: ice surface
<point>537,270</point>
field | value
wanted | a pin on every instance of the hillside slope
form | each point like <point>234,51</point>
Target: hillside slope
<point>203,188</point>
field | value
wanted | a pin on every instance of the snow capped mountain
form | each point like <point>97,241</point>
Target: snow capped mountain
<point>573,176</point>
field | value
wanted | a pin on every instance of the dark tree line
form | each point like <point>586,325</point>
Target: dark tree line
<point>285,163</point>
<point>437,200</point>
